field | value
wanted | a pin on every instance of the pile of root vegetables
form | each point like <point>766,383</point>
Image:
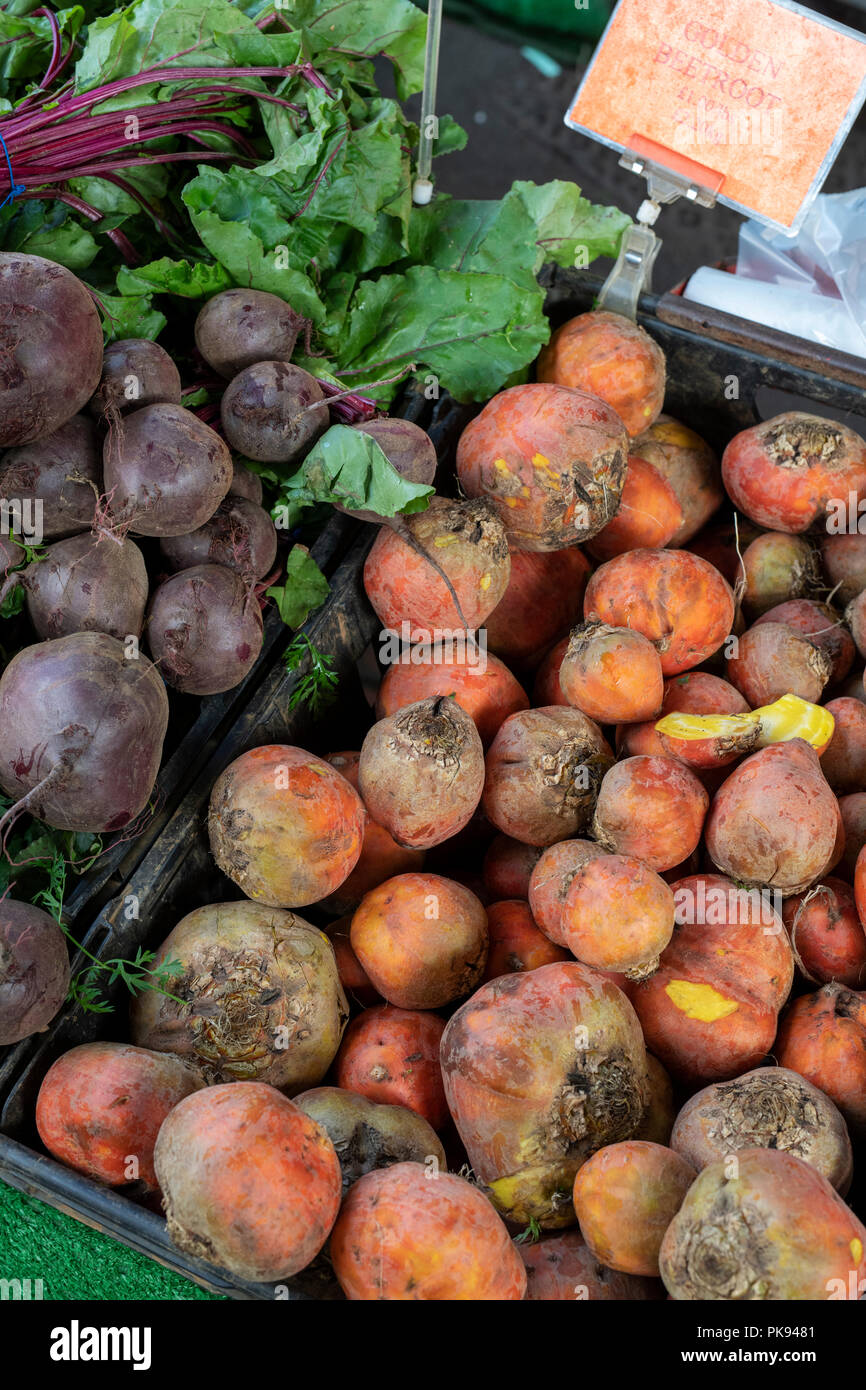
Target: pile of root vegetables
<point>579,1011</point>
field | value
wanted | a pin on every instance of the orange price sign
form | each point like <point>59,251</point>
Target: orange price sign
<point>750,98</point>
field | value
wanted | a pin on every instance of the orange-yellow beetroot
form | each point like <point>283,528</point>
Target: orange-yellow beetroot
<point>356,983</point>
<point>823,626</point>
<point>543,771</point>
<point>774,821</point>
<point>285,826</point>
<point>769,1108</point>
<point>823,1037</point>
<point>843,762</point>
<point>699,692</point>
<point>251,1183</point>
<point>691,468</point>
<point>787,473</point>
<point>392,1056</point>
<point>551,879</point>
<point>550,459</point>
<point>710,1010</point>
<point>541,1069</point>
<point>625,1198</point>
<point>486,691</point>
<point>508,865</point>
<point>516,942</point>
<point>844,561</point>
<point>381,857</point>
<point>613,358</point>
<point>547,690</point>
<point>562,1267</point>
<point>852,809</point>
<point>658,1121</point>
<point>772,660</point>
<point>100,1107</point>
<point>777,567</point>
<point>422,940</point>
<point>543,600</point>
<point>368,1136</point>
<point>613,674</point>
<point>618,915</point>
<point>676,599</point>
<point>466,541</point>
<point>403,1236</point>
<point>421,772</point>
<point>827,934</point>
<point>649,513</point>
<point>651,808</point>
<point>775,1231</point>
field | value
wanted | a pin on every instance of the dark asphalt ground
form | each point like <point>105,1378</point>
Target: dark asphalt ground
<point>514,116</point>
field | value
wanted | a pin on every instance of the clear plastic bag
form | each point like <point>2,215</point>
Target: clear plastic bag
<point>819,275</point>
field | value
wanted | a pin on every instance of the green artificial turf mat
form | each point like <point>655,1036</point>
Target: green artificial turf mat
<point>75,1262</point>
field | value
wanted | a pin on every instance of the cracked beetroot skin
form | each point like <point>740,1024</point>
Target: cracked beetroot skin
<point>262,1000</point>
<point>787,473</point>
<point>763,1225</point>
<point>81,731</point>
<point>542,1069</point>
<point>769,1108</point>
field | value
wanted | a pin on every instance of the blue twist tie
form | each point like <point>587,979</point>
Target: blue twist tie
<point>15,189</point>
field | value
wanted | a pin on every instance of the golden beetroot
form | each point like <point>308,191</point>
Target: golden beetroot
<point>516,942</point>
<point>612,357</point>
<point>774,821</point>
<point>421,772</point>
<point>544,599</point>
<point>285,826</point>
<point>551,460</point>
<point>368,1136</point>
<point>508,866</point>
<point>251,1183</point>
<point>101,1105</point>
<point>826,933</point>
<point>543,771</point>
<point>699,692</point>
<point>546,689</point>
<point>762,1226</point>
<point>691,468</point>
<point>823,626</point>
<point>777,567</point>
<point>843,762</point>
<point>652,809</point>
<point>658,1121</point>
<point>771,660</point>
<point>769,1108</point>
<point>541,1069</point>
<point>794,470</point>
<point>466,542</point>
<point>710,1010</point>
<point>625,1197</point>
<point>551,879</point>
<point>649,513</point>
<point>404,1235</point>
<point>422,940</point>
<point>618,915</point>
<point>356,983</point>
<point>823,1037</point>
<point>612,673</point>
<point>381,857</point>
<point>844,561</point>
<point>392,1056</point>
<point>486,689</point>
<point>257,997</point>
<point>676,599</point>
<point>562,1266</point>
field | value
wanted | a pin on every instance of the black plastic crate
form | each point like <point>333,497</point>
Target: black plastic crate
<point>177,873</point>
